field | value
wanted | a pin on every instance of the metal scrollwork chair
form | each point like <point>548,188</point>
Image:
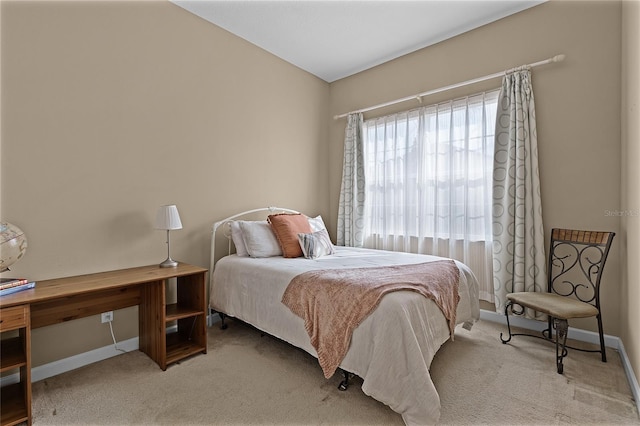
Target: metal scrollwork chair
<point>576,263</point>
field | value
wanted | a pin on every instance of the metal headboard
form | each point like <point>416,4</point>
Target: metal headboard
<point>226,228</point>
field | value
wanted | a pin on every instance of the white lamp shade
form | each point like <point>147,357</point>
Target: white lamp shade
<point>168,218</point>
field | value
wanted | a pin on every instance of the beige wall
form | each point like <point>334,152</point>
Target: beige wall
<point>630,332</point>
<point>577,106</point>
<point>111,109</point>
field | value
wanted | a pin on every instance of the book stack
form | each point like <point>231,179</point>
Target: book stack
<point>13,285</point>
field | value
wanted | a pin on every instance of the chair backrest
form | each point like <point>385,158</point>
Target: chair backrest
<point>576,263</point>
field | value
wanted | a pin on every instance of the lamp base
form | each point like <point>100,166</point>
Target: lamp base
<point>169,263</point>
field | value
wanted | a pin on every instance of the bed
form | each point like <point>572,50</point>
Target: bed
<point>391,349</point>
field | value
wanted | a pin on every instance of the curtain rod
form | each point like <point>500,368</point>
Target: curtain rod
<point>418,97</point>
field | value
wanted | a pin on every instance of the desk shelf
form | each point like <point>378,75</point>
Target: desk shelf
<point>13,355</point>
<point>175,312</point>
<point>14,406</point>
<point>187,340</point>
<point>15,399</point>
<point>187,314</point>
<point>179,348</point>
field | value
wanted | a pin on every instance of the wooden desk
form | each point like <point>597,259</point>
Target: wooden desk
<point>65,299</point>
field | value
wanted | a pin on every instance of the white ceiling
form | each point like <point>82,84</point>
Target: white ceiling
<point>333,39</point>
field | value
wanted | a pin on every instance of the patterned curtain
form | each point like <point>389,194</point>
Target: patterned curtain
<point>351,207</point>
<point>518,235</point>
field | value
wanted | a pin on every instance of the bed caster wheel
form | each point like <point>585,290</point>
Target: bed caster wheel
<point>344,384</point>
<point>223,325</point>
<point>560,368</point>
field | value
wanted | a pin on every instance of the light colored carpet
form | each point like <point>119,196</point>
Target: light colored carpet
<point>249,379</point>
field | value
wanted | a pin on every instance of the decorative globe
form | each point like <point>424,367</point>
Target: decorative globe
<point>13,245</point>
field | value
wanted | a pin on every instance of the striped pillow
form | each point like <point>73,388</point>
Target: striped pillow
<point>316,244</point>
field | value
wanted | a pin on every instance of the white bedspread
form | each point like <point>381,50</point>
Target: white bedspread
<point>391,350</point>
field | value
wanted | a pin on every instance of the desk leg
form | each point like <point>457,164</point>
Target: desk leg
<point>151,316</point>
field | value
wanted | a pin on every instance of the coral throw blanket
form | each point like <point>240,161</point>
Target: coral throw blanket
<point>334,302</point>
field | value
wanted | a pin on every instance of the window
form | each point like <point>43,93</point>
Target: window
<point>428,175</point>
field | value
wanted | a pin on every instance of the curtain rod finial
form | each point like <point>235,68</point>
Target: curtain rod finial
<point>559,58</point>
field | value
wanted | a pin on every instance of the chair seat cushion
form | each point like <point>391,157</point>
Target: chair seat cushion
<point>552,304</point>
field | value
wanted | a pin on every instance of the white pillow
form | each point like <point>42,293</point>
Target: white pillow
<point>316,223</point>
<point>259,239</point>
<point>238,242</point>
<point>316,244</point>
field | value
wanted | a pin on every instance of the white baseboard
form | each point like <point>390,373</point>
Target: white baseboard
<point>631,377</point>
<point>76,361</point>
<point>54,368</point>
<point>577,334</point>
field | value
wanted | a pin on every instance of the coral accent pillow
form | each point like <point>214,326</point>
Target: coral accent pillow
<point>287,227</point>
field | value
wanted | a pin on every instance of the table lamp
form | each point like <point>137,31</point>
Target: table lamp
<point>168,218</point>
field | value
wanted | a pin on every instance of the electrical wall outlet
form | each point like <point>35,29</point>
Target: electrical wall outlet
<point>107,316</point>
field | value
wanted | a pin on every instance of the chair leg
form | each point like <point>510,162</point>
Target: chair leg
<point>506,314</point>
<point>548,333</point>
<point>562,326</point>
<point>602,348</point>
